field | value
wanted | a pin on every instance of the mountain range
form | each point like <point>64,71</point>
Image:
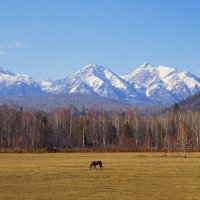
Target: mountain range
<point>164,84</point>
<point>18,84</point>
<point>148,84</point>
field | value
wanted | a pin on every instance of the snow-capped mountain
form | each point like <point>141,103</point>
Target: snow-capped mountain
<point>164,84</point>
<point>17,84</point>
<point>96,80</point>
<point>147,84</point>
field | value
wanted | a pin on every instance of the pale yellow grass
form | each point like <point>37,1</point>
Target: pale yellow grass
<point>125,176</point>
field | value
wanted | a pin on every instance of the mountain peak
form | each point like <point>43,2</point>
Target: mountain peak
<point>91,69</point>
<point>90,66</point>
<point>147,65</point>
<point>18,84</point>
<point>100,81</point>
<point>163,83</point>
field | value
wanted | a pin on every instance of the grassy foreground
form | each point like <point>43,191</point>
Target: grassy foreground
<point>125,176</point>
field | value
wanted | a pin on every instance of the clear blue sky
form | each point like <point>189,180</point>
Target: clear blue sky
<point>53,38</point>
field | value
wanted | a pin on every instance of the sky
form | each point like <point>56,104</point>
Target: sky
<point>54,38</point>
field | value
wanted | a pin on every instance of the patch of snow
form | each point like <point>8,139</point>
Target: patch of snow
<point>164,71</point>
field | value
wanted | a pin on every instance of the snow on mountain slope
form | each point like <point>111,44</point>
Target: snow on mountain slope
<point>164,84</point>
<point>46,84</point>
<point>17,84</point>
<point>98,80</point>
<point>147,84</point>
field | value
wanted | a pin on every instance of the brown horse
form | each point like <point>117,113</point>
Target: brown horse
<point>94,163</point>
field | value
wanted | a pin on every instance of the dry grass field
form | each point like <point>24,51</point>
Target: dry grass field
<point>126,176</point>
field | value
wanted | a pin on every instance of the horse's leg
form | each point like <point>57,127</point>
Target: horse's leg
<point>101,166</point>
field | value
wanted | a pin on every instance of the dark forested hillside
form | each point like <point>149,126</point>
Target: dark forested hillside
<point>192,103</point>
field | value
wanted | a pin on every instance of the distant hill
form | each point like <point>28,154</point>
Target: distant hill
<point>192,102</point>
<point>50,102</point>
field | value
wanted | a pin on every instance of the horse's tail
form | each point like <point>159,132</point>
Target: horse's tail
<point>90,165</point>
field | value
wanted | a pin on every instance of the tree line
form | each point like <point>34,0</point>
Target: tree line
<point>67,128</point>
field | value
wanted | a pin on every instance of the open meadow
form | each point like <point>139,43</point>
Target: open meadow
<point>60,176</point>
